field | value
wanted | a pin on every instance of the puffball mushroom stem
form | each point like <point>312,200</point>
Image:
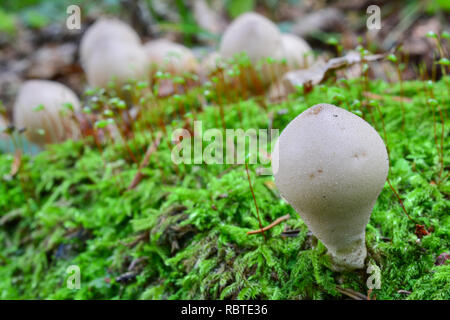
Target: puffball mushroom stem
<point>331,165</point>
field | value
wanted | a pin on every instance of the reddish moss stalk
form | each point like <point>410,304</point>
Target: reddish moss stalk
<point>254,200</point>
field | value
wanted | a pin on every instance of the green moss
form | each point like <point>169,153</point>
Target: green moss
<point>183,230</point>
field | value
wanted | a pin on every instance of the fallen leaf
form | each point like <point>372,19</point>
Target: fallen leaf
<point>318,72</point>
<point>421,231</point>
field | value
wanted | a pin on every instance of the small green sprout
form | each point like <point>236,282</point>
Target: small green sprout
<point>40,132</point>
<point>100,124</point>
<point>108,113</point>
<point>39,108</point>
<point>87,110</point>
<point>68,106</point>
<point>431,34</point>
<point>432,102</point>
<point>444,62</point>
<point>392,58</point>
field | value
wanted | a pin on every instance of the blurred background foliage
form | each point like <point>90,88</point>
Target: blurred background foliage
<point>40,13</point>
<point>152,17</point>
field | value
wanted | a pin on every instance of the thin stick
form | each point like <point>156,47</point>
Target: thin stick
<point>399,200</point>
<point>254,199</point>
<point>442,141</point>
<point>351,293</point>
<point>375,96</point>
<point>273,224</point>
<point>150,150</point>
<point>399,72</point>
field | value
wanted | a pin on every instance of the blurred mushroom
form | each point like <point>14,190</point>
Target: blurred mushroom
<point>258,38</point>
<point>43,108</point>
<point>112,50</point>
<point>297,52</point>
<point>118,62</point>
<point>106,30</point>
<point>172,57</point>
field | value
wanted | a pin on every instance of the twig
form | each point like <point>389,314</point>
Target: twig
<point>375,96</point>
<point>290,233</point>
<point>273,224</point>
<point>399,200</point>
<point>404,292</point>
<point>420,229</point>
<point>150,150</point>
<point>369,295</point>
<point>351,293</point>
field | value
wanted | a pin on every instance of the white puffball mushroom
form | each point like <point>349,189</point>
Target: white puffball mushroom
<point>297,52</point>
<point>258,37</point>
<point>118,62</point>
<point>39,108</point>
<point>253,34</point>
<point>105,30</point>
<point>171,57</point>
<point>112,50</point>
<point>331,165</point>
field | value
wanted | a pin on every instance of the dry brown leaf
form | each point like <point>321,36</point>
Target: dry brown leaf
<point>318,72</point>
<point>277,92</point>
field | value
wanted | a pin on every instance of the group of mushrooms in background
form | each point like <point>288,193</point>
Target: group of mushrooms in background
<point>328,163</point>
<point>111,50</point>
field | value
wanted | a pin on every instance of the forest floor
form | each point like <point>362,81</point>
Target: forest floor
<point>180,231</point>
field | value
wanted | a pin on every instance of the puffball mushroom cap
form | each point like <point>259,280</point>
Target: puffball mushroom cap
<point>331,165</point>
<point>172,57</point>
<point>256,36</point>
<point>105,30</point>
<point>253,34</point>
<point>53,96</point>
<point>297,52</point>
<point>118,62</point>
